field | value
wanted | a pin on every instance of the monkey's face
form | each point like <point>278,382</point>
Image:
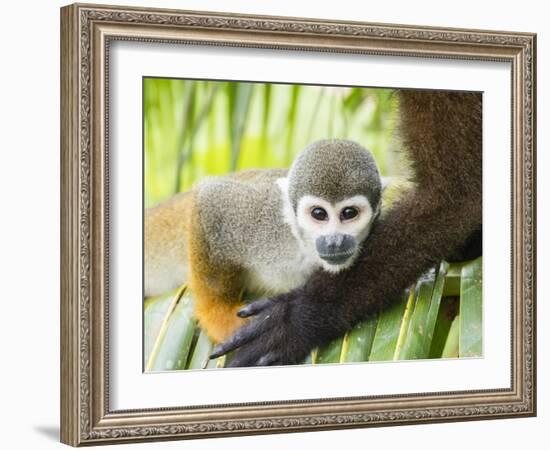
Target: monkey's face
<point>334,230</point>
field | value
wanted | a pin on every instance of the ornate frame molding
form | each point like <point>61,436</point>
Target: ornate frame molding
<point>86,31</point>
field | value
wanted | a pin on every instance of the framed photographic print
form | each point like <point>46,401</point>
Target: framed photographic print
<point>276,224</point>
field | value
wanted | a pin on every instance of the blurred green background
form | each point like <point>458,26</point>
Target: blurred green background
<point>197,128</point>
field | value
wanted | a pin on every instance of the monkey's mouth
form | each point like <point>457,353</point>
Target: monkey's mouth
<point>336,258</point>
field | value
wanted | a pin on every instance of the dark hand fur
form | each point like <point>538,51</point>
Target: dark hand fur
<point>442,134</point>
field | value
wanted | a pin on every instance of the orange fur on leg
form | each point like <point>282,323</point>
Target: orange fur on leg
<point>216,302</point>
<point>218,318</point>
<point>216,287</point>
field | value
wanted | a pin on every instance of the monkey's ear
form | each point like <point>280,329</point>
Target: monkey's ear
<point>283,185</point>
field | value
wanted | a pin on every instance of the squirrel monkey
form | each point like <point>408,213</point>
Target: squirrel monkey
<point>262,232</point>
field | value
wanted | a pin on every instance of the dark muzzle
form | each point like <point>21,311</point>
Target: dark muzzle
<point>335,248</point>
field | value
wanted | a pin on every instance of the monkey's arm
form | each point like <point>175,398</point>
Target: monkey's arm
<point>442,132</point>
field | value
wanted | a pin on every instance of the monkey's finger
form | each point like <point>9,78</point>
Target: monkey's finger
<point>242,336</point>
<point>254,308</point>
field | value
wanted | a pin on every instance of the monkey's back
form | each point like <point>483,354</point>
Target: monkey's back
<point>243,221</point>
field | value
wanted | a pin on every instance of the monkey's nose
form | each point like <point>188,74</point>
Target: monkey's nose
<point>334,241</point>
<point>335,248</point>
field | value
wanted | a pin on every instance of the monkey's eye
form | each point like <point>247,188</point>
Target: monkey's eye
<point>319,214</point>
<point>348,213</point>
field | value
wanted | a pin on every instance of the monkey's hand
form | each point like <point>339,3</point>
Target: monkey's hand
<point>283,330</point>
<point>270,338</point>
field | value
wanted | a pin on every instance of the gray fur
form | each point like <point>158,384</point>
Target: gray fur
<point>242,217</point>
<point>335,169</point>
<point>244,226</point>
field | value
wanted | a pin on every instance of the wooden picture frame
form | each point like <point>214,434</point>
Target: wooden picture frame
<point>86,34</point>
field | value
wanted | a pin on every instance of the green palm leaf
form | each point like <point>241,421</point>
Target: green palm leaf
<point>424,323</point>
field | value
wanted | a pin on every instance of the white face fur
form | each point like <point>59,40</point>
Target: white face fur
<point>317,218</point>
